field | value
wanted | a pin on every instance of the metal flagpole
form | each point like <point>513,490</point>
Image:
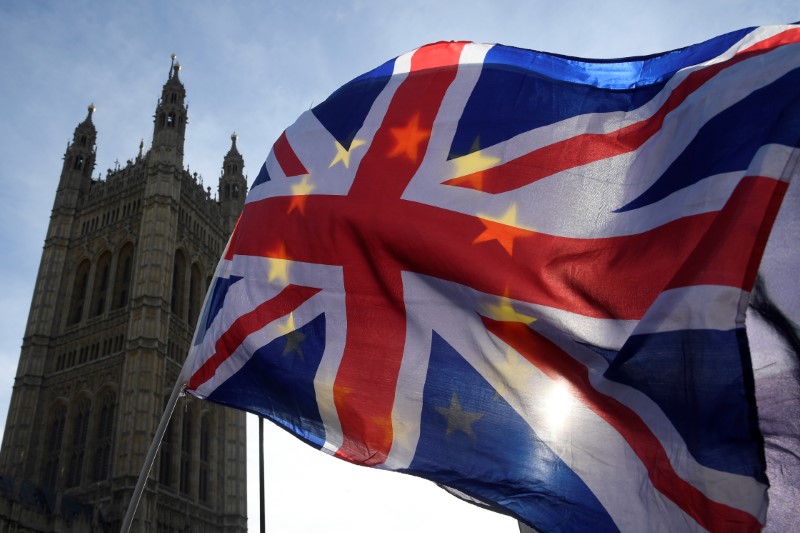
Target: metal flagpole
<point>151,455</point>
<point>261,470</point>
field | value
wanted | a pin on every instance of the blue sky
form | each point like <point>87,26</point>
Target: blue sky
<point>253,67</point>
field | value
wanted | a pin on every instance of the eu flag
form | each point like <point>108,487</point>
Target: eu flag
<point>522,276</point>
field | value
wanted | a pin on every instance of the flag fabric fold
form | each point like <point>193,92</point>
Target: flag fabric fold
<point>522,276</point>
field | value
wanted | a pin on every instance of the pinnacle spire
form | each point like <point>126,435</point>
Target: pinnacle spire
<point>87,124</point>
<point>232,184</point>
<point>79,158</point>
<point>169,128</point>
<point>234,151</point>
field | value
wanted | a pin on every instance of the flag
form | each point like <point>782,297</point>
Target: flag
<point>522,276</point>
<point>773,332</point>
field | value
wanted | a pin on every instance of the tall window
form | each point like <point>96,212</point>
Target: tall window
<point>205,455</point>
<point>100,288</point>
<point>178,281</point>
<point>80,428</point>
<point>79,292</point>
<point>195,293</point>
<point>104,437</point>
<point>54,438</point>
<point>122,279</point>
<point>186,452</point>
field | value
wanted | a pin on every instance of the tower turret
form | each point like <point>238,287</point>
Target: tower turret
<point>169,121</point>
<point>79,161</point>
<point>232,185</point>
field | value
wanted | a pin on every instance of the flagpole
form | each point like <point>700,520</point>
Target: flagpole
<point>261,471</point>
<point>151,455</point>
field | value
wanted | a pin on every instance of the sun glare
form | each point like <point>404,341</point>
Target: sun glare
<point>558,404</point>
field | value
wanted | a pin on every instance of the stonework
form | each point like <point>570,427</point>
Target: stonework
<point>124,269</point>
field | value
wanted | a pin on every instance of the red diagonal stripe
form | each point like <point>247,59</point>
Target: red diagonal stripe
<point>557,364</point>
<point>590,147</point>
<point>287,159</point>
<point>614,277</point>
<point>286,301</point>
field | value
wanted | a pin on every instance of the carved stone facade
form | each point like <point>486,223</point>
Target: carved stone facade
<point>125,266</point>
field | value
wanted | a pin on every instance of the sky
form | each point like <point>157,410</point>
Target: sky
<point>252,67</point>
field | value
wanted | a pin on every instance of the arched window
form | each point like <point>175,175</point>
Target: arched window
<point>80,428</point>
<point>205,458</point>
<point>165,459</point>
<point>100,288</point>
<point>178,281</point>
<point>104,436</point>
<point>173,98</point>
<point>79,293</point>
<point>79,162</point>
<point>122,279</point>
<point>52,450</point>
<point>83,140</point>
<point>171,119</point>
<point>186,452</point>
<point>195,294</point>
<point>235,190</point>
<point>162,120</point>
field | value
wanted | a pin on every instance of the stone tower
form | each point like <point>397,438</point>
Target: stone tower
<point>125,266</point>
<point>232,186</point>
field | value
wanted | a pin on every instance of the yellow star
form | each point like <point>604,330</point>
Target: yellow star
<point>383,425</point>
<point>512,372</point>
<point>300,191</point>
<point>503,230</point>
<point>294,343</point>
<point>504,311</point>
<point>457,418</point>
<point>402,432</point>
<point>408,139</point>
<point>340,392</point>
<point>288,327</point>
<point>279,267</point>
<point>343,155</point>
<point>469,169</point>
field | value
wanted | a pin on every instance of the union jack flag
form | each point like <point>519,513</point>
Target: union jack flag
<point>522,276</point>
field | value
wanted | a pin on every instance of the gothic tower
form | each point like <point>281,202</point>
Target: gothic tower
<point>232,186</point>
<point>169,126</point>
<point>126,262</point>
